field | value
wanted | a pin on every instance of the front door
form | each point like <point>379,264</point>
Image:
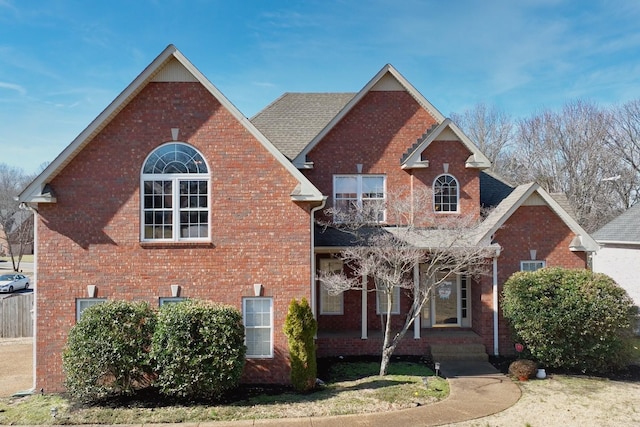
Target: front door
<point>445,303</point>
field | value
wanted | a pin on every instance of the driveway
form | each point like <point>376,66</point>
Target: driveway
<point>16,369</point>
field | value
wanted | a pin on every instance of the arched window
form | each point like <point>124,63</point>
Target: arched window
<point>175,195</point>
<point>445,194</point>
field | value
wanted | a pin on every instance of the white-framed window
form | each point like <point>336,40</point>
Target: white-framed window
<point>532,265</point>
<point>381,302</point>
<point>257,314</point>
<point>170,300</point>
<point>331,304</point>
<point>446,194</point>
<point>175,196</point>
<point>361,194</point>
<point>83,303</point>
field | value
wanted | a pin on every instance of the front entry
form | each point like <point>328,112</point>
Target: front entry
<point>448,305</point>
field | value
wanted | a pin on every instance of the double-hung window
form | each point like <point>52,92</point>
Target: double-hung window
<point>360,197</point>
<point>258,326</point>
<point>445,194</point>
<point>175,195</point>
<point>331,304</point>
<point>381,301</point>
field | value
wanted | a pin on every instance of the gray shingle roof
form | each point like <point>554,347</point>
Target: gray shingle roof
<point>623,228</point>
<point>493,189</point>
<point>294,119</point>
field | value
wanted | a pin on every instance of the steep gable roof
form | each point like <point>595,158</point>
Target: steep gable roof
<point>623,229</point>
<point>493,189</point>
<point>170,66</point>
<point>293,120</point>
<point>519,197</point>
<point>412,159</point>
<point>388,78</point>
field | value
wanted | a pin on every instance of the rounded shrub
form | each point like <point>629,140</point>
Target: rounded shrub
<point>573,319</point>
<point>300,328</point>
<point>198,349</point>
<point>107,351</point>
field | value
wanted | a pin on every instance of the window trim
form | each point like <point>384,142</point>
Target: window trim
<point>457,201</point>
<point>93,301</point>
<point>395,308</point>
<point>542,264</point>
<point>359,191</point>
<point>271,327</point>
<point>175,179</point>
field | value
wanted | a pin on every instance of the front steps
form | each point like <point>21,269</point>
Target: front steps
<point>468,352</point>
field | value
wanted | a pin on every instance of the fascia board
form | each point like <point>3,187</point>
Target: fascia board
<point>300,160</point>
<point>32,191</point>
<point>475,160</point>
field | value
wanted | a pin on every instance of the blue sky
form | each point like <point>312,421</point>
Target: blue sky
<point>63,62</point>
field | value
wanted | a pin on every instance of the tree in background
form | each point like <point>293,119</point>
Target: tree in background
<point>584,151</point>
<point>16,225</point>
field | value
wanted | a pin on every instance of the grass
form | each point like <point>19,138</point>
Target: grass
<point>355,388</point>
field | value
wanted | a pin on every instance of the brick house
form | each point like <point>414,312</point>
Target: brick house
<point>172,193</point>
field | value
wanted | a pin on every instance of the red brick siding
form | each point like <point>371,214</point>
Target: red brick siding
<point>91,235</point>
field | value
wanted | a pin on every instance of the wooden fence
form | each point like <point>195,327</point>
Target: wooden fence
<point>16,316</point>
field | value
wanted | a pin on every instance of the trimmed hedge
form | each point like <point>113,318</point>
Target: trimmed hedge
<point>300,328</point>
<point>573,319</point>
<point>198,348</point>
<point>107,352</point>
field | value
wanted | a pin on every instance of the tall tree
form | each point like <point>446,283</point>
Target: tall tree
<point>565,152</point>
<point>388,255</point>
<point>491,130</point>
<point>16,225</point>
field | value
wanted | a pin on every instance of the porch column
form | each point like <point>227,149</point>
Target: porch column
<point>495,304</point>
<point>416,293</point>
<point>363,316</point>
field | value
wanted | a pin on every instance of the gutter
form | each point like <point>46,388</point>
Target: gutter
<point>312,299</point>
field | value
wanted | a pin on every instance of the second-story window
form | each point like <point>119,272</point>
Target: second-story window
<point>359,197</point>
<point>445,194</point>
<point>175,195</point>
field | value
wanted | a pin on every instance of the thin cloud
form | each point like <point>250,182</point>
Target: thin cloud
<point>15,87</point>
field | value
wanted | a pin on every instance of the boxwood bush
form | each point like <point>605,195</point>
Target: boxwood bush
<point>573,319</point>
<point>107,352</point>
<point>198,349</point>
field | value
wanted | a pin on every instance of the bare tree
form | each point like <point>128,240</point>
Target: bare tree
<point>16,225</point>
<point>388,255</point>
<point>565,152</point>
<point>624,141</point>
<point>491,130</point>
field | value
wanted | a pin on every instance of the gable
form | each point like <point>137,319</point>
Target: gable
<point>169,66</point>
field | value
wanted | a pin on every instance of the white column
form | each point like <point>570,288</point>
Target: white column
<point>363,325</point>
<point>495,306</point>
<point>416,292</point>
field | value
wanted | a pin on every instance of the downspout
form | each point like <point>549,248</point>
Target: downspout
<point>312,300</point>
<point>34,314</point>
<point>495,303</point>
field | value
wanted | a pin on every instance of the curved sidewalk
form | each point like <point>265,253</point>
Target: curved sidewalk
<point>477,389</point>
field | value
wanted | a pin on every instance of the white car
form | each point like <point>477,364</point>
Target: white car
<point>13,282</point>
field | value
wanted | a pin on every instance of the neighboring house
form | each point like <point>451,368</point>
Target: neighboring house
<point>619,253</point>
<point>172,193</point>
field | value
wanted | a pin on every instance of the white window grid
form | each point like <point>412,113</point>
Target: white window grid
<point>83,303</point>
<point>360,193</point>
<point>258,323</point>
<point>331,304</point>
<point>532,265</point>
<point>446,194</point>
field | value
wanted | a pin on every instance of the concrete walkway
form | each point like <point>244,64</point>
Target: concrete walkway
<point>477,390</point>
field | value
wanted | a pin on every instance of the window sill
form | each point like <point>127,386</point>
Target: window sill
<point>165,245</point>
